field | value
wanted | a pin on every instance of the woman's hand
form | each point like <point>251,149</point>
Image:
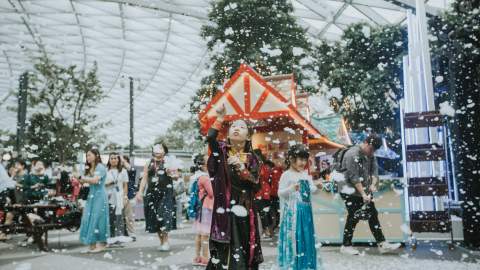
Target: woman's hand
<point>109,184</point>
<point>37,186</point>
<point>235,161</point>
<point>366,198</point>
<point>139,197</point>
<point>221,111</point>
<point>296,187</point>
<point>318,183</point>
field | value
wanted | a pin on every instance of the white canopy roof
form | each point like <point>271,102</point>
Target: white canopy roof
<point>156,42</point>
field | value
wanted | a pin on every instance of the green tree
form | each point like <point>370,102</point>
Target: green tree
<point>457,54</point>
<point>183,135</point>
<point>263,34</point>
<point>62,98</point>
<point>7,139</point>
<point>361,74</point>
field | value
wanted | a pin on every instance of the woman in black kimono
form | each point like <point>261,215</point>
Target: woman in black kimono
<point>159,200</point>
<point>234,237</point>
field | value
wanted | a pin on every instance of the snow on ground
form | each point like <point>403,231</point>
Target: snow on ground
<point>143,254</point>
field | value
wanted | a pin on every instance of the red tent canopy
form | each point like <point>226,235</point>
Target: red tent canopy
<point>270,102</point>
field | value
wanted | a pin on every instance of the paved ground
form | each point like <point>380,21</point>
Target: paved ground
<point>67,255</point>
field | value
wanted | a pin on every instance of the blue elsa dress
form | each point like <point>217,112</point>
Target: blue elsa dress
<point>296,249</point>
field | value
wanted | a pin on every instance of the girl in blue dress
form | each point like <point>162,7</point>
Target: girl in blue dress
<point>95,226</point>
<point>296,247</point>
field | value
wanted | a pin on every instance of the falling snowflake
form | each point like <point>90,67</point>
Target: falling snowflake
<point>347,190</point>
<point>335,93</point>
<point>447,109</point>
<point>366,31</point>
<point>239,211</point>
<point>108,256</point>
<point>297,51</point>
<point>337,177</point>
<point>229,31</point>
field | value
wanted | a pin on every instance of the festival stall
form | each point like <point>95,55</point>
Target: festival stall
<point>281,116</point>
<point>329,209</point>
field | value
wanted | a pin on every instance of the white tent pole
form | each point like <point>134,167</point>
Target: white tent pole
<point>425,54</point>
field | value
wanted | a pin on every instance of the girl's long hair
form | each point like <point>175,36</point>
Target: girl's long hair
<point>90,168</point>
<point>119,164</point>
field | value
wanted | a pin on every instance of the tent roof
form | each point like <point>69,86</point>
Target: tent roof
<point>154,41</point>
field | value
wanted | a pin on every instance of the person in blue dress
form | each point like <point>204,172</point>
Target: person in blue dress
<point>95,225</point>
<point>296,243</point>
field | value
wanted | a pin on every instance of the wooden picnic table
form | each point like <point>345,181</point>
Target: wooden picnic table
<point>38,229</point>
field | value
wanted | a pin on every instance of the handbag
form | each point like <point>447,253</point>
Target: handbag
<point>83,194</point>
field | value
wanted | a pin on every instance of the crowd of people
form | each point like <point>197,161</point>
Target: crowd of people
<point>20,186</point>
<point>237,197</point>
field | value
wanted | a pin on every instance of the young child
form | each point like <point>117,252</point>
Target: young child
<point>35,186</point>
<point>203,215</point>
<point>296,248</point>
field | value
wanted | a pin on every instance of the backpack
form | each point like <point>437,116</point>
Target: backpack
<point>195,203</point>
<point>337,174</point>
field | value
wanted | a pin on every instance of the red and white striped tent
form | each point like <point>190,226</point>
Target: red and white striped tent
<point>271,103</point>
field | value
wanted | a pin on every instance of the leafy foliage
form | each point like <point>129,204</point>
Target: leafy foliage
<point>63,98</point>
<point>361,75</point>
<point>262,34</point>
<point>456,48</point>
<point>183,135</point>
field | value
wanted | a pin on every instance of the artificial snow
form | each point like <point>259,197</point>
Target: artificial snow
<point>337,261</point>
<point>366,31</point>
<point>297,51</point>
<point>347,190</point>
<point>447,109</point>
<point>271,52</point>
<point>239,211</point>
<point>230,7</point>
<point>335,93</point>
<point>319,105</point>
<point>337,177</point>
<point>292,142</point>
<point>24,266</point>
<point>229,31</point>
<point>108,256</point>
